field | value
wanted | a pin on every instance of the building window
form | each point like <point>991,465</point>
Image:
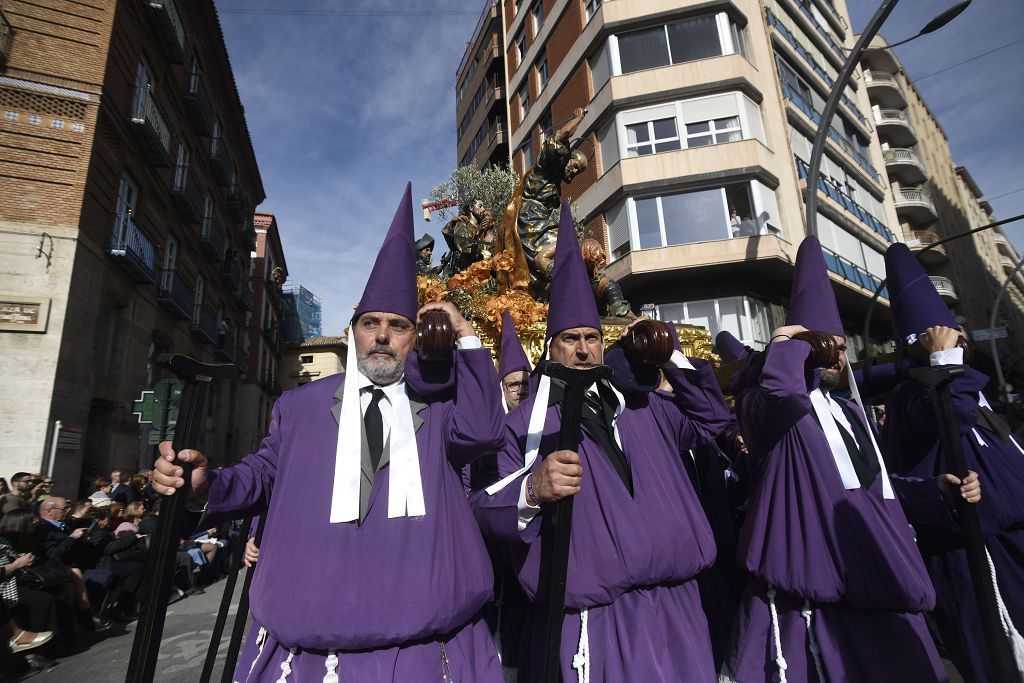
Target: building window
<point>57,123</point>
<point>181,168</point>
<point>537,16</point>
<point>10,116</point>
<point>528,154</point>
<point>590,7</point>
<point>714,131</point>
<point>306,360</point>
<point>743,317</point>
<point>710,35</point>
<point>730,211</point>
<point>34,119</point>
<point>544,125</point>
<point>524,101</point>
<point>649,137</point>
<point>542,73</point>
<point>520,43</point>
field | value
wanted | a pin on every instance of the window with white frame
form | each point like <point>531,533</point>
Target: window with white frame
<point>181,167</point>
<point>524,101</point>
<point>693,122</point>
<point>537,16</point>
<point>744,317</point>
<point>542,73</point>
<point>708,35</point>
<point>590,7</point>
<point>735,210</point>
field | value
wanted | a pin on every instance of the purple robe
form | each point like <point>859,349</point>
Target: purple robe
<point>385,594</point>
<point>913,436</point>
<point>847,555</point>
<point>632,560</point>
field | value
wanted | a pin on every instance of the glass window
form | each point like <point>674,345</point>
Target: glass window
<point>617,218</point>
<point>644,49</point>
<point>648,225</point>
<point>524,101</point>
<point>713,132</point>
<point>651,136</point>
<point>537,14</point>
<point>520,43</point>
<point>591,7</point>
<point>542,73</point>
<point>693,39</point>
<point>694,217</point>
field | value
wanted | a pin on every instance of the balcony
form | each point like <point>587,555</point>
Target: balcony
<point>6,33</point>
<point>895,127</point>
<point>272,335</point>
<point>248,233</point>
<point>197,101</point>
<point>212,240</point>
<point>851,272</point>
<point>944,286</point>
<point>226,346</point>
<point>244,296</point>
<point>1003,245</point>
<point>170,28</point>
<point>1008,264</point>
<point>837,195</point>
<point>132,248</point>
<point>915,205</point>
<point>242,361</point>
<point>824,33</point>
<point>204,323</point>
<point>884,90</point>
<point>188,195</point>
<point>176,294</point>
<point>231,273</point>
<point>905,165</point>
<point>220,158</point>
<point>150,127</point>
<point>238,205</point>
<point>924,239</point>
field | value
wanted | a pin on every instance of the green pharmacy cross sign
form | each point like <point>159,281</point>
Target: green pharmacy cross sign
<point>159,407</point>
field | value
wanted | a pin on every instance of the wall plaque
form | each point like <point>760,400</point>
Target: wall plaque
<point>20,313</point>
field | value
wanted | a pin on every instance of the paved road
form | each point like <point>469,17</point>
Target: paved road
<point>182,652</point>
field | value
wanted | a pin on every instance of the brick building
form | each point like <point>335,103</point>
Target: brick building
<point>127,187</point>
<point>700,117</point>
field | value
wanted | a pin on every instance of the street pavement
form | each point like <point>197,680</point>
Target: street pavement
<point>182,650</point>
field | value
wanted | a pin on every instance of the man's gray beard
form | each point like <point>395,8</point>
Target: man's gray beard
<point>380,371</point>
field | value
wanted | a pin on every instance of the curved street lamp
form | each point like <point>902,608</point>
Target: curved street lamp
<point>845,74</point>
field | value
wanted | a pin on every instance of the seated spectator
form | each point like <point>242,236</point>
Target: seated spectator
<point>100,497</point>
<point>120,492</point>
<point>138,486</point>
<point>133,515</point>
<point>124,555</point>
<point>73,550</point>
<point>80,516</point>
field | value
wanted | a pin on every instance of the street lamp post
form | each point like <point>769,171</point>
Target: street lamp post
<point>834,96</point>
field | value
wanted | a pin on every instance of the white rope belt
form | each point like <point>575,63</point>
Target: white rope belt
<point>780,661</point>
<point>1012,635</point>
<point>581,660</point>
<point>812,642</point>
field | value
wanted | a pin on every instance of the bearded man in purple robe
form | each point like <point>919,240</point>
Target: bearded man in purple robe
<point>372,567</point>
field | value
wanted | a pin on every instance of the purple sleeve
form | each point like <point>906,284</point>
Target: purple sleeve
<point>780,398</point>
<point>704,413</point>
<point>923,502</point>
<point>474,425</point>
<point>498,514</point>
<point>243,489</point>
<point>914,405</point>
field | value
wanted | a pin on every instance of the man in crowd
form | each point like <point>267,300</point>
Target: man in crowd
<point>119,492</point>
<point>926,329</point>
<point>632,607</point>
<point>393,571</point>
<point>837,589</point>
<point>25,488</point>
<point>513,365</point>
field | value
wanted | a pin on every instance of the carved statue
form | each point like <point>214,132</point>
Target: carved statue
<point>530,225</point>
<point>470,238</point>
<point>611,302</point>
<point>424,251</point>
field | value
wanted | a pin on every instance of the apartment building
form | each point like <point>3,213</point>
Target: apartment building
<point>935,199</point>
<point>698,131</point>
<point>127,187</point>
<point>481,104</point>
<point>261,361</point>
<point>313,359</point>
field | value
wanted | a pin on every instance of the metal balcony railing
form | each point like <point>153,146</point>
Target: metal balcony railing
<point>248,231</point>
<point>915,197</point>
<point>197,99</point>
<point>175,293</point>
<point>944,286</point>
<point>204,323</point>
<point>132,248</point>
<point>150,127</point>
<point>846,145</point>
<point>242,360</point>
<point>880,77</point>
<point>852,272</point>
<point>6,35</point>
<point>901,155</point>
<point>846,201</point>
<point>170,27</point>
<point>245,296</point>
<point>188,195</point>
<point>223,166</point>
<point>231,273</point>
<point>212,240</point>
<point>805,8</point>
<point>226,346</point>
<point>238,205</point>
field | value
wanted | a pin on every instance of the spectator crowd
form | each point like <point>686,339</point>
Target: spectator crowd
<point>70,570</point>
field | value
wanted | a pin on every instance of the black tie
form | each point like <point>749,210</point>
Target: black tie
<point>598,422</point>
<point>994,422</point>
<point>374,424</point>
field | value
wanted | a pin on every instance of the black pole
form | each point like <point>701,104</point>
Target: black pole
<point>1000,657</point>
<point>225,604</point>
<point>242,613</point>
<point>197,378</point>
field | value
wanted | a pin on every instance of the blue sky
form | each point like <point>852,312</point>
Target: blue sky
<point>344,109</point>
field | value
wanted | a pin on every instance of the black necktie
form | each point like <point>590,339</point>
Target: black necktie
<point>994,422</point>
<point>598,422</point>
<point>373,421</point>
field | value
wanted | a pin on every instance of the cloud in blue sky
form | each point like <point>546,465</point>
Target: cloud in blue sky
<point>343,110</point>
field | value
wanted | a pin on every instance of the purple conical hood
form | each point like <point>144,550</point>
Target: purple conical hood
<point>916,305</point>
<point>729,347</point>
<point>572,297</point>
<point>391,287</point>
<point>511,357</point>
<point>812,302</point>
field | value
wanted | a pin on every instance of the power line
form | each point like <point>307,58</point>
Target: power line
<point>969,59</point>
<point>347,12</point>
<point>1005,194</point>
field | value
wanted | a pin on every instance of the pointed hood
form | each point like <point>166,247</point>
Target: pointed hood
<point>916,305</point>
<point>511,357</point>
<point>391,287</point>
<point>572,297</point>
<point>729,347</point>
<point>812,302</point>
